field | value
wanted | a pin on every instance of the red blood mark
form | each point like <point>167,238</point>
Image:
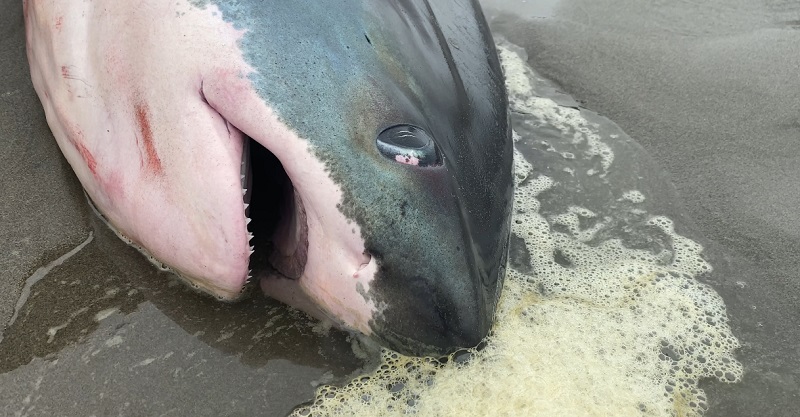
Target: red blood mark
<point>76,139</point>
<point>88,157</point>
<point>65,71</point>
<point>113,185</point>
<point>59,22</point>
<point>117,68</point>
<point>143,119</point>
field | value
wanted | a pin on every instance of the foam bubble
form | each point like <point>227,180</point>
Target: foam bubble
<point>634,196</point>
<point>597,329</point>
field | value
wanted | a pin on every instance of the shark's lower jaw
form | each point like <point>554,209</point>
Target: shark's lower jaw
<point>203,285</point>
<point>276,216</point>
<point>276,222</point>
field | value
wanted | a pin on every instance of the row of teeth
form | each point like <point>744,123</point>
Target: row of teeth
<point>244,172</point>
<point>247,221</point>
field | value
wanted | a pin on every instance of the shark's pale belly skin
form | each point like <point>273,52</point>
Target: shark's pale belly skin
<point>389,121</point>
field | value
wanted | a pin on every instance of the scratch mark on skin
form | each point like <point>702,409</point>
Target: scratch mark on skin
<point>39,275</point>
<point>76,140</point>
<point>88,157</point>
<point>59,23</point>
<point>67,74</point>
<point>153,160</point>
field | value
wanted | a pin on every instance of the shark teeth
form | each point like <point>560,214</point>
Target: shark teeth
<point>246,178</point>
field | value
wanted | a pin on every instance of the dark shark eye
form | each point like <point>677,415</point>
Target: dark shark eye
<point>408,145</point>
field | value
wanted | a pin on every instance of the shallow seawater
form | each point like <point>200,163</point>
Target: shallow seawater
<point>603,311</point>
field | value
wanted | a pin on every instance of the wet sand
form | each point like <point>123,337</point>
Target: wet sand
<point>710,89</point>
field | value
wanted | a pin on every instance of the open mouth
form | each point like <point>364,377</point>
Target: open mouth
<point>277,216</point>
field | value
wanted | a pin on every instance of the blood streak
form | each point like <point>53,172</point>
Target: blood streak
<point>59,22</point>
<point>153,162</point>
<point>88,157</point>
<point>76,139</point>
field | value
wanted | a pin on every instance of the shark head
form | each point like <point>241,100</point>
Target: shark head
<point>356,161</point>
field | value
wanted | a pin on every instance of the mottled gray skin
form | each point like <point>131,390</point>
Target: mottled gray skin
<point>338,74</point>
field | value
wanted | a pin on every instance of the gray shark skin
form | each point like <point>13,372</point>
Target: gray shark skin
<point>404,105</point>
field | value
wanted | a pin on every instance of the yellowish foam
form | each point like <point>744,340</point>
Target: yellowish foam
<point>603,331</point>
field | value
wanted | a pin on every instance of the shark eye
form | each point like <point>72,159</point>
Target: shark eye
<point>408,145</point>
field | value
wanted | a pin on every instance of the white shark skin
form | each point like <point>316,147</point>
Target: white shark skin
<point>149,101</point>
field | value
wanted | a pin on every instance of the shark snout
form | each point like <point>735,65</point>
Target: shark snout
<point>434,314</point>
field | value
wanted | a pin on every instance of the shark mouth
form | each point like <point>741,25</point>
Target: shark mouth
<point>276,216</point>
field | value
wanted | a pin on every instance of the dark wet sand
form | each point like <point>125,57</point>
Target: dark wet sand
<point>711,90</point>
<point>40,210</point>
